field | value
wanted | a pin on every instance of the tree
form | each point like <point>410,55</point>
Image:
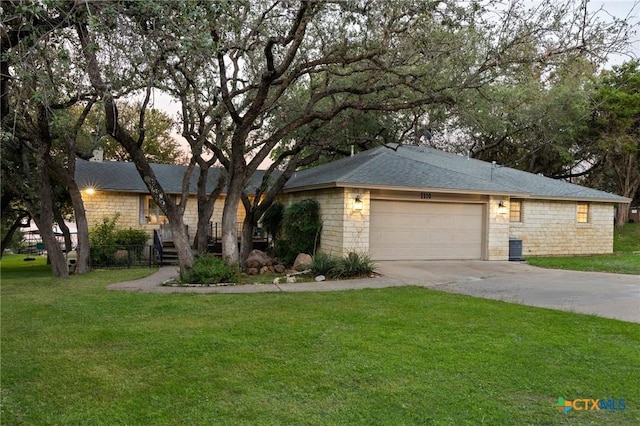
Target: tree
<point>236,67</point>
<point>159,145</point>
<point>615,125</point>
<point>132,79</point>
<point>348,56</point>
<point>532,123</point>
<point>38,81</point>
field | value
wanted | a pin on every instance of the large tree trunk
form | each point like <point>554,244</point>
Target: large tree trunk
<point>622,214</point>
<point>201,240</point>
<point>230,222</point>
<point>12,230</point>
<point>45,224</point>
<point>66,234</point>
<point>180,240</point>
<point>628,182</point>
<point>246,243</point>
<point>82,228</point>
<point>206,204</point>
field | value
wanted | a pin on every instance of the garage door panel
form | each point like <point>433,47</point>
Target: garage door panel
<point>409,230</point>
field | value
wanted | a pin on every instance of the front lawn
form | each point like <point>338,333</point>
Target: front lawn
<point>624,260</point>
<point>74,353</point>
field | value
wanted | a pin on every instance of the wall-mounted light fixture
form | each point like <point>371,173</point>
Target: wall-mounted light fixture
<point>89,190</point>
<point>502,208</point>
<point>357,203</point>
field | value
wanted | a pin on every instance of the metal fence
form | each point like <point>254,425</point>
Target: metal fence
<point>122,256</point>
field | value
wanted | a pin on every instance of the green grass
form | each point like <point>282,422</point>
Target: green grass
<point>624,260</point>
<point>74,353</point>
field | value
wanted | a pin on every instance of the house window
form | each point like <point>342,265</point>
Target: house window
<point>515,211</point>
<point>150,211</point>
<point>583,213</point>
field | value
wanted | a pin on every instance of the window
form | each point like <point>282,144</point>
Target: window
<point>150,211</point>
<point>583,213</point>
<point>515,211</point>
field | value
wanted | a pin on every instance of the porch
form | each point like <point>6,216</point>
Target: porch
<point>167,254</point>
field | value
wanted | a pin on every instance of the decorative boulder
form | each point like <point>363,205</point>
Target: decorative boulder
<point>279,269</point>
<point>320,278</point>
<point>264,270</point>
<point>252,271</point>
<point>252,263</point>
<point>302,262</point>
<point>258,258</point>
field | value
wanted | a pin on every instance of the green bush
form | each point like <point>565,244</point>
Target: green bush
<point>106,239</point>
<point>104,234</point>
<point>301,227</point>
<point>324,264</point>
<point>271,220</point>
<point>355,265</point>
<point>209,269</point>
<point>131,237</point>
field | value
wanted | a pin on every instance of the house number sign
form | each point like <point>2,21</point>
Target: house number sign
<point>425,195</point>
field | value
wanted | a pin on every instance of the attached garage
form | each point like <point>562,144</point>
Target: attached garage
<point>409,230</point>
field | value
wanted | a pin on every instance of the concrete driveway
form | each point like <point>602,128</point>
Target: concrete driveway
<point>608,295</point>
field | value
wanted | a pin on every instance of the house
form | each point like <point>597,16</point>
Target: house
<point>401,203</point>
<point>411,202</point>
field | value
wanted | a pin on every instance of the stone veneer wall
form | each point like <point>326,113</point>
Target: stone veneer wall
<point>497,231</point>
<point>343,229</point>
<point>550,228</point>
<point>103,204</point>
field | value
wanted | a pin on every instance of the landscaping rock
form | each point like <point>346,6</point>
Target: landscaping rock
<point>279,268</point>
<point>320,278</point>
<point>264,270</point>
<point>252,271</point>
<point>258,258</point>
<point>291,279</point>
<point>252,263</point>
<point>302,262</point>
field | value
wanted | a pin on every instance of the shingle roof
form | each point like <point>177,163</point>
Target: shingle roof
<point>427,168</point>
<point>123,177</point>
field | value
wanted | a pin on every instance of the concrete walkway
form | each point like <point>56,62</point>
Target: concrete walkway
<point>608,295</point>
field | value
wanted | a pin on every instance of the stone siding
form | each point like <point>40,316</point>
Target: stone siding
<point>103,204</point>
<point>497,231</point>
<point>344,229</point>
<point>550,228</point>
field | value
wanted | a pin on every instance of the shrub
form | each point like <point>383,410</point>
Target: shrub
<point>271,220</point>
<point>301,227</point>
<point>209,269</point>
<point>106,239</point>
<point>104,234</point>
<point>355,265</point>
<point>351,266</point>
<point>324,264</point>
<point>131,237</point>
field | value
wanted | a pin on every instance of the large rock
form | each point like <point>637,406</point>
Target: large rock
<point>257,259</point>
<point>302,262</point>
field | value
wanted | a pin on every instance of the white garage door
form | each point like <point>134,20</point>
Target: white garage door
<point>403,230</point>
